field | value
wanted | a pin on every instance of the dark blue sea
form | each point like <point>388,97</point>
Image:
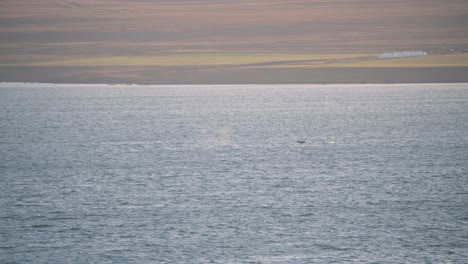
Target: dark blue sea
<point>234,174</point>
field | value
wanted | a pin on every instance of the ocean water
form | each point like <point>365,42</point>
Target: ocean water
<point>215,174</point>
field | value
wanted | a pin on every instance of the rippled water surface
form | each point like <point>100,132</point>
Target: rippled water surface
<point>214,174</point>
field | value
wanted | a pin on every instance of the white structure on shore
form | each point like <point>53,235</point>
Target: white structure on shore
<point>402,54</point>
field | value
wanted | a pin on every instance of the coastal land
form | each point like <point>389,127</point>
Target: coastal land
<point>232,42</point>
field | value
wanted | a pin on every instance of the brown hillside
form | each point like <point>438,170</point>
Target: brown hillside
<point>230,41</point>
<point>103,27</point>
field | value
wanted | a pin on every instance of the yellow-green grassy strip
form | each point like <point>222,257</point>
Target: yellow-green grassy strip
<point>294,60</point>
<point>195,59</point>
<point>449,60</point>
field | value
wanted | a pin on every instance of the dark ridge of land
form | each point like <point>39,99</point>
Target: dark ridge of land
<point>213,75</point>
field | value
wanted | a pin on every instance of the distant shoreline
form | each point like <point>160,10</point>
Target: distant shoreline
<point>214,75</point>
<point>125,85</point>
